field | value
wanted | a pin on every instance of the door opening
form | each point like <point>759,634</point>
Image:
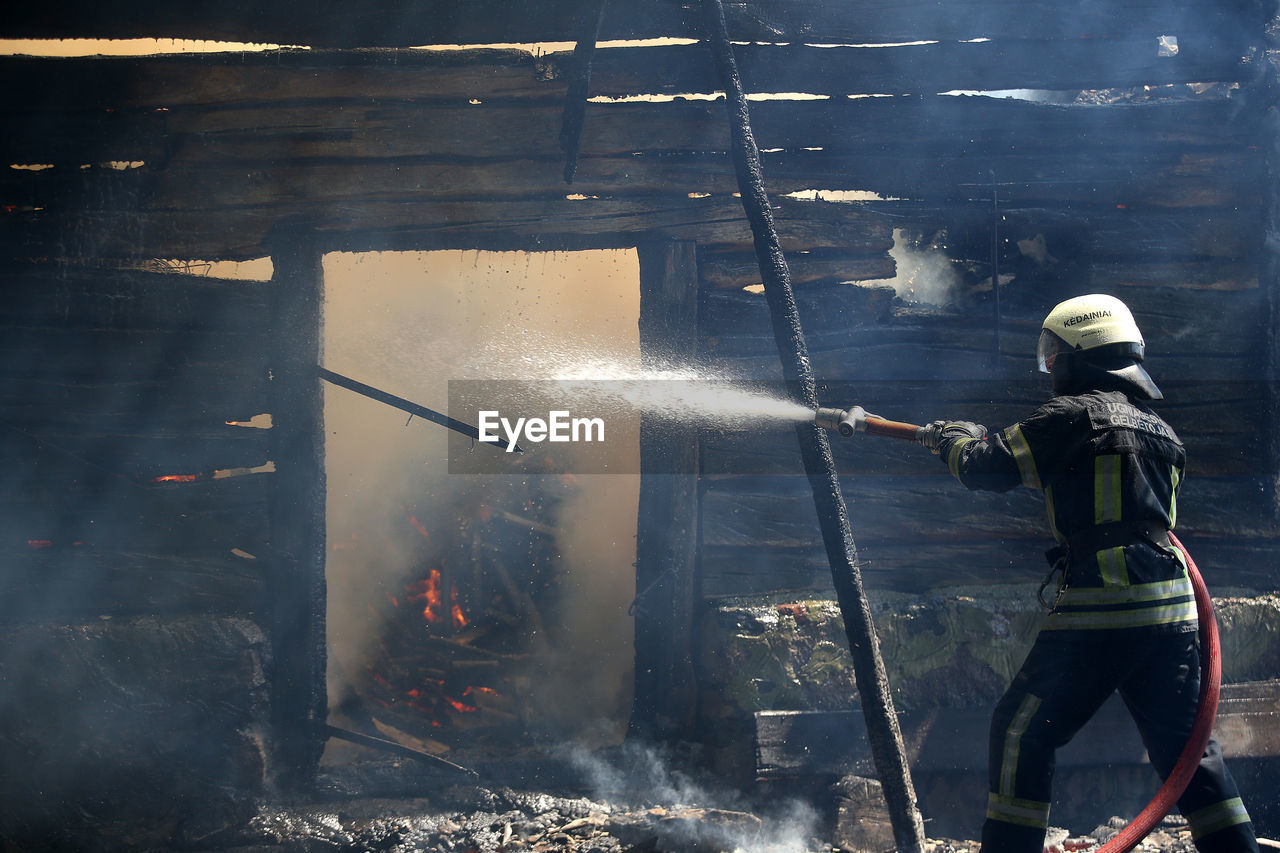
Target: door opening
<point>469,612</point>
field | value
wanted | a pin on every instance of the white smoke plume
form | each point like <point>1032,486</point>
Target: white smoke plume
<point>642,774</point>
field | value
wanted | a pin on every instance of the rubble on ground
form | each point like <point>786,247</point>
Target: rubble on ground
<point>503,820</point>
<point>479,820</point>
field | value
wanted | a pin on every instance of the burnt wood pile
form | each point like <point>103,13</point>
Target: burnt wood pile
<point>163,438</point>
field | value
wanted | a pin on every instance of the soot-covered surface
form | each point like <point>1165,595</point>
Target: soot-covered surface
<point>576,802</point>
<point>498,820</point>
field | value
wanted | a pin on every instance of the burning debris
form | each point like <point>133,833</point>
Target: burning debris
<point>457,637</point>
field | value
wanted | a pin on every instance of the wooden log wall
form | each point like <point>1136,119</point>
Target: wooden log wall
<point>362,144</point>
<point>401,23</point>
<point>126,408</point>
<point>134,549</point>
<point>200,157</point>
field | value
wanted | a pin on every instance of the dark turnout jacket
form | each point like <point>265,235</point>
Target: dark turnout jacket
<point>1110,469</point>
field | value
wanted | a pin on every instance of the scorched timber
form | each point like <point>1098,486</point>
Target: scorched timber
<point>91,584</point>
<point>883,734</point>
<point>287,78</point>
<point>386,23</point>
<point>1168,178</point>
<point>739,269</point>
<point>46,295</point>
<point>333,128</point>
<point>244,234</point>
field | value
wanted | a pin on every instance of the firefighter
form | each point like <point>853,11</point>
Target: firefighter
<point>1122,612</point>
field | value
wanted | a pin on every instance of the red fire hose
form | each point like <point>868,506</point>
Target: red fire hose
<point>856,420</point>
<point>1210,686</point>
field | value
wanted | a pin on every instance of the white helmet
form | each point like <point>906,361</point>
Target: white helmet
<point>1099,332</point>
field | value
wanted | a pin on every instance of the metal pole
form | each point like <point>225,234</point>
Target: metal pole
<point>883,734</point>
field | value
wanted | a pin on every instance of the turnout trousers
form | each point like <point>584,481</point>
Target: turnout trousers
<point>1063,682</point>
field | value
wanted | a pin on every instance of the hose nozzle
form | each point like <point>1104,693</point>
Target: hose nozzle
<point>844,422</point>
<point>856,419</point>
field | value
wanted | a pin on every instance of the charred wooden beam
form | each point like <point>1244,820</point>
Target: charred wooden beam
<point>561,224</point>
<point>1029,62</point>
<point>394,748</point>
<point>406,406</point>
<point>667,588</point>
<point>400,23</point>
<point>1170,178</point>
<point>941,126</point>
<point>817,268</point>
<point>360,77</point>
<point>138,300</point>
<point>61,581</point>
<point>296,579</point>
<point>883,734</point>
<point>1269,280</point>
<point>575,99</point>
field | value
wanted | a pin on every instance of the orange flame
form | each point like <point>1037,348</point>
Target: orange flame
<point>429,592</point>
<point>177,478</point>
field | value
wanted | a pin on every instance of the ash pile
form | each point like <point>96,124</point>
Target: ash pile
<point>488,821</point>
<point>465,818</point>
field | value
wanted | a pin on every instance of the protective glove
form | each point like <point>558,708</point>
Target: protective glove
<point>930,435</point>
<point>933,434</point>
<point>963,429</point>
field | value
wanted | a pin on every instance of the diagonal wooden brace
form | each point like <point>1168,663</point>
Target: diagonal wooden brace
<point>883,734</point>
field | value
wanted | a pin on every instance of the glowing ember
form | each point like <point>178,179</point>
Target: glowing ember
<point>177,478</point>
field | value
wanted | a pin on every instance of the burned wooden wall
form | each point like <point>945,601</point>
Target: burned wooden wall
<point>135,660</point>
<point>1143,168</point>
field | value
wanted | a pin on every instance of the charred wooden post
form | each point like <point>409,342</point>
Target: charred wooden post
<point>884,736</point>
<point>666,537</point>
<point>575,102</point>
<point>1269,275</point>
<point>296,511</point>
<point>396,749</point>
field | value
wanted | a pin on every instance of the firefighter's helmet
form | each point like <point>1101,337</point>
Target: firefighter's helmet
<point>1094,332</point>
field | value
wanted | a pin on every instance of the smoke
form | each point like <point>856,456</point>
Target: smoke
<point>726,821</point>
<point>409,323</point>
<point>924,272</point>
